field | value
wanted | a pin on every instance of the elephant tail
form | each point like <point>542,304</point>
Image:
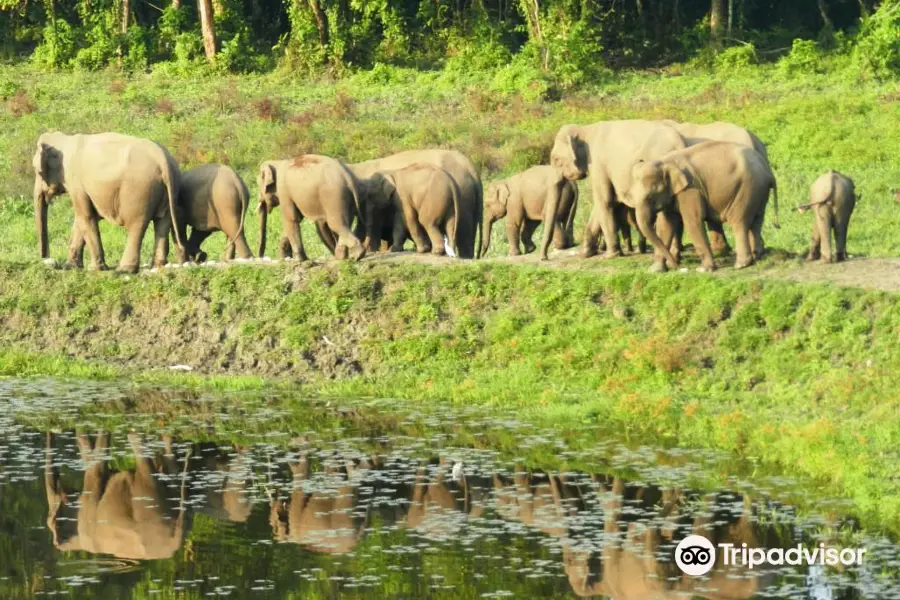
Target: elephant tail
<point>350,180</point>
<point>171,177</point>
<point>775,222</point>
<point>245,204</point>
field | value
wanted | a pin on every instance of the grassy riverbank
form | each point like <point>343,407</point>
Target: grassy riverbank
<point>800,376</point>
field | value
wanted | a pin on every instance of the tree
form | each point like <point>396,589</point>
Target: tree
<point>207,26</point>
<point>717,21</point>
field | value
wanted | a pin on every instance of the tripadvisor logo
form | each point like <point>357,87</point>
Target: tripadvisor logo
<point>695,555</point>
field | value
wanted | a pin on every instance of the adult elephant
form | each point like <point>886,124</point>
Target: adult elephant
<point>463,172</point>
<point>126,180</point>
<point>693,134</point>
<point>126,514</point>
<point>314,187</point>
<point>606,151</point>
<point>710,182</point>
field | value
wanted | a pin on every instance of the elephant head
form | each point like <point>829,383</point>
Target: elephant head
<point>495,203</point>
<point>654,185</point>
<point>569,154</point>
<point>49,181</point>
<point>379,193</point>
<point>266,182</point>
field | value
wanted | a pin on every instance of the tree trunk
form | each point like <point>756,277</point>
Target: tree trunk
<point>828,25</point>
<point>126,9</point>
<point>321,21</point>
<point>730,16</point>
<point>717,21</point>
<point>176,4</point>
<point>209,29</point>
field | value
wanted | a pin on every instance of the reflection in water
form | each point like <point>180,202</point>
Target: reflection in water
<point>610,537</point>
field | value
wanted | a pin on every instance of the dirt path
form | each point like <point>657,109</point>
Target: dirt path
<point>865,273</point>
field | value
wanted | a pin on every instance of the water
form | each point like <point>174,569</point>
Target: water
<point>201,495</point>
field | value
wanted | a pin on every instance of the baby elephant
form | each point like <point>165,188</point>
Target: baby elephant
<point>833,197</point>
<point>424,200</point>
<point>213,198</point>
<point>523,200</point>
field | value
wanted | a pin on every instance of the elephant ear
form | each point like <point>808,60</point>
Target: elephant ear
<point>267,175</point>
<point>503,194</point>
<point>677,179</point>
<point>49,161</point>
<point>573,148</point>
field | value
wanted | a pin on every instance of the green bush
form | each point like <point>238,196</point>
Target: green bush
<point>522,76</point>
<point>58,47</point>
<point>878,44</point>
<point>803,58</point>
<point>736,59</point>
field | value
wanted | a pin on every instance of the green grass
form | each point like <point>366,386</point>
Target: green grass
<point>798,376</point>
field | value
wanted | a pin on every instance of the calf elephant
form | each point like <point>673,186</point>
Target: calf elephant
<point>424,202</point>
<point>720,131</point>
<point>832,196</point>
<point>522,199</point>
<point>126,514</point>
<point>314,187</point>
<point>213,198</point>
<point>128,181</point>
<point>712,181</point>
<point>463,172</point>
<point>606,151</point>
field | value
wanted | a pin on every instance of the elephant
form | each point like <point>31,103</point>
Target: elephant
<point>463,172</point>
<point>720,131</point>
<point>123,179</point>
<point>328,520</point>
<point>213,198</point>
<point>225,482</point>
<point>423,201</point>
<point>126,514</point>
<point>606,151</point>
<point>832,196</point>
<point>314,187</point>
<point>625,222</point>
<point>712,181</point>
<point>522,199</point>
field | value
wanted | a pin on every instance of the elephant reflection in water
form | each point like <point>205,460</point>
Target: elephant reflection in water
<point>226,490</point>
<point>444,498</point>
<point>322,513</point>
<point>619,558</point>
<point>126,514</point>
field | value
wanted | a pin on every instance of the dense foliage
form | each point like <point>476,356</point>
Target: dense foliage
<point>563,41</point>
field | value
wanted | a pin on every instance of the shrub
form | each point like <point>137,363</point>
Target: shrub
<point>878,44</point>
<point>522,76</point>
<point>57,47</point>
<point>803,58</point>
<point>736,59</point>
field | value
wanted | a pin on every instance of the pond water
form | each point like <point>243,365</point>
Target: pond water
<point>111,491</point>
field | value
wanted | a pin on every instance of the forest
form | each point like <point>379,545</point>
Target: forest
<point>565,42</point>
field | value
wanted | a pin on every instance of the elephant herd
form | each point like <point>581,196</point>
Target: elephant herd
<point>661,177</point>
<point>611,532</point>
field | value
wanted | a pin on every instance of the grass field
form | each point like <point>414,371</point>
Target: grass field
<point>798,375</point>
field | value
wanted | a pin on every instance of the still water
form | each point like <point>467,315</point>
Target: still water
<point>109,491</point>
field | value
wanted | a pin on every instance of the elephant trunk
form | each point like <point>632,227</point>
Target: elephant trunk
<point>644,218</point>
<point>40,221</point>
<point>486,227</point>
<point>263,219</point>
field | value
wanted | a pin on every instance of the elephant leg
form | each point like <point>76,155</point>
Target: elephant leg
<point>292,230</point>
<point>603,219</point>
<point>717,239</point>
<point>743,256</point>
<point>697,232</point>
<point>161,228</point>
<point>193,246</point>
<point>815,242</point>
<point>327,236</point>
<point>131,258</point>
<point>624,227</point>
<point>76,247</point>
<point>840,238</point>
<point>667,227</point>
<point>560,238</point>
<point>437,239</point>
<point>757,245</point>
<point>528,228</point>
<point>347,240</point>
<point>284,248</point>
<point>91,230</point>
<point>415,230</point>
<point>240,246</point>
<point>398,235</point>
<point>824,220</point>
<point>513,231</point>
